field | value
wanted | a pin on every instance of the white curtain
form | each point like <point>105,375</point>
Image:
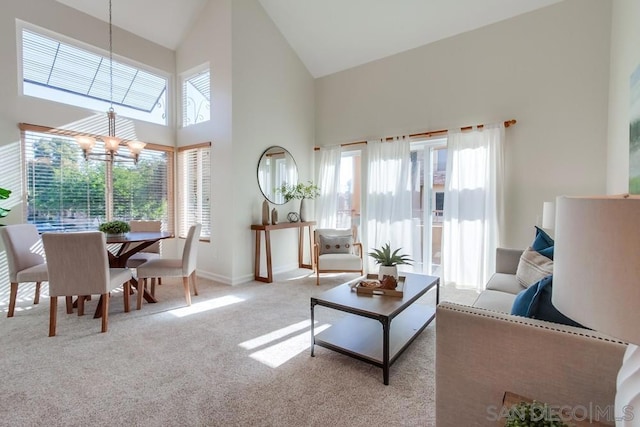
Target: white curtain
<point>472,205</point>
<point>388,205</point>
<point>329,183</point>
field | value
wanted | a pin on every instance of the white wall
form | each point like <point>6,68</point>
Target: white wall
<point>262,95</point>
<point>625,57</point>
<point>210,41</point>
<point>548,69</point>
<point>273,104</point>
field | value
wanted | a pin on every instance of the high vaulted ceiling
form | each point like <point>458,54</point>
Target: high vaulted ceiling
<point>328,35</point>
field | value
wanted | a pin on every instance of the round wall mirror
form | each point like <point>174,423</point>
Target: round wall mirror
<point>276,167</point>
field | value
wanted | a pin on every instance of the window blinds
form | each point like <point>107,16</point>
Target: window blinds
<point>65,192</point>
<point>194,193</point>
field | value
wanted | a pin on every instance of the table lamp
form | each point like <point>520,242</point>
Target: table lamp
<point>596,280</point>
<point>549,215</point>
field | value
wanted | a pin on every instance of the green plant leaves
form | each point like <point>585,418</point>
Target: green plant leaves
<point>114,227</point>
<point>4,194</point>
<point>385,257</point>
<point>299,191</point>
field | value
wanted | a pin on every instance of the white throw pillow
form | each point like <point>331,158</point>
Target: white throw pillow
<point>533,267</point>
<point>335,244</point>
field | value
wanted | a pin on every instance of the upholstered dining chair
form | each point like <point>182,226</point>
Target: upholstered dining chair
<point>151,252</point>
<point>25,265</point>
<point>336,251</point>
<point>184,267</point>
<point>79,265</point>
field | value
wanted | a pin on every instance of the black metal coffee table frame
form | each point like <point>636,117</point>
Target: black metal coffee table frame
<point>357,336</point>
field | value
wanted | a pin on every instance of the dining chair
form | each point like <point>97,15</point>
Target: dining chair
<point>184,267</point>
<point>79,265</point>
<point>336,251</point>
<point>25,265</point>
<point>148,253</point>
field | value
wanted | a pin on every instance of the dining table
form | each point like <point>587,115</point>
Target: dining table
<point>129,244</point>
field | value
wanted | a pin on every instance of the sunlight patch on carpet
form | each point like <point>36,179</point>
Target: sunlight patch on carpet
<point>206,306</point>
<point>275,335</point>
<point>283,351</point>
<point>298,277</point>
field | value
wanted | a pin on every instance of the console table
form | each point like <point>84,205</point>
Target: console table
<point>258,228</point>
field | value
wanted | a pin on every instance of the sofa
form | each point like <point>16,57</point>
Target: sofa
<point>482,352</point>
<point>503,287</point>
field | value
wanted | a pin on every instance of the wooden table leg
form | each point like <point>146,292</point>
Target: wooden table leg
<point>256,270</point>
<point>301,263</point>
<point>310,248</point>
<point>146,295</point>
<point>300,246</point>
<point>267,243</point>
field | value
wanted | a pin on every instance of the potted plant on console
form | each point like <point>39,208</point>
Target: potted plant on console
<point>299,191</point>
<point>389,261</point>
<point>114,227</point>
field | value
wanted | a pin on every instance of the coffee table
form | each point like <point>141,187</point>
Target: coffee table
<point>357,336</point>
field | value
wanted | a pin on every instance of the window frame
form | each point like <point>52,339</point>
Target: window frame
<point>95,104</point>
<point>185,77</point>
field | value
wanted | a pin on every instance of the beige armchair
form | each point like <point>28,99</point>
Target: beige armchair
<point>184,267</point>
<point>337,251</point>
<point>25,265</point>
<point>79,265</point>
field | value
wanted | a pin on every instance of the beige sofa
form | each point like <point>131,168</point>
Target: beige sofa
<point>483,352</point>
<point>502,287</point>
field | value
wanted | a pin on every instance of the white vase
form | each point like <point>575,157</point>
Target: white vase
<point>387,270</point>
<point>303,214</point>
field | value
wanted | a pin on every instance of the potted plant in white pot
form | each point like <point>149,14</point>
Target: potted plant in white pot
<point>389,261</point>
<point>299,191</point>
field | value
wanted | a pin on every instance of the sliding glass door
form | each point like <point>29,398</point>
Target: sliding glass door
<point>428,175</point>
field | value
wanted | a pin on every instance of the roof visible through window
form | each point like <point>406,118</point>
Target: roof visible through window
<point>52,64</point>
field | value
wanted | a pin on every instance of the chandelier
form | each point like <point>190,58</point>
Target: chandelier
<point>111,142</point>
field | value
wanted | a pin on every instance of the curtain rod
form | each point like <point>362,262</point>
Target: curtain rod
<point>428,134</point>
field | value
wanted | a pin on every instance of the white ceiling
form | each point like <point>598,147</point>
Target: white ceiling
<point>327,35</point>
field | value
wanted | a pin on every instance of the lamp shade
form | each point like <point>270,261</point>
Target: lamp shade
<point>596,278</point>
<point>135,147</point>
<point>85,142</point>
<point>111,143</point>
<point>549,215</point>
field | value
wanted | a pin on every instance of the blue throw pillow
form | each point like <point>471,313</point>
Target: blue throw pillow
<point>541,307</point>
<point>543,243</point>
<point>523,301</point>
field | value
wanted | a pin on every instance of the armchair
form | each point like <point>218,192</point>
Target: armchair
<point>336,250</point>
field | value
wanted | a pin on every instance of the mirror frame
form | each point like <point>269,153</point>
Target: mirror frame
<point>263,169</point>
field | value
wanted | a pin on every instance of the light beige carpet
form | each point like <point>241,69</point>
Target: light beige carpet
<point>238,357</point>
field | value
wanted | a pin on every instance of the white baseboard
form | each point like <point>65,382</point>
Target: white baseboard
<point>245,278</point>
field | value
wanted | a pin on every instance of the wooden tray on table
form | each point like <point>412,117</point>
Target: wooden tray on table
<point>367,286</point>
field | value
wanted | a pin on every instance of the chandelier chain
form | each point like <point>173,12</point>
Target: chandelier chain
<point>111,113</point>
<point>110,60</point>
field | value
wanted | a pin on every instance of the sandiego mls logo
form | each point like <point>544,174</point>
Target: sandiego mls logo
<point>541,412</point>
